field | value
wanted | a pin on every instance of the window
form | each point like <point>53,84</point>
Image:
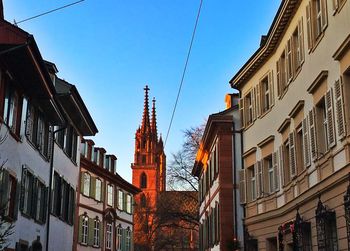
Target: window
<point>109,234</point>
<point>326,227</point>
<point>298,47</point>
<point>27,193</point>
<point>38,130</point>
<point>84,229</point>
<point>120,199</point>
<point>289,61</point>
<point>11,106</point>
<point>337,4</point>
<point>265,94</point>
<point>110,195</point>
<point>8,191</point>
<point>63,200</point>
<point>281,74</point>
<point>41,194</point>
<point>86,184</point>
<point>119,238</point>
<point>299,149</point>
<point>317,20</point>
<point>71,143</point>
<point>96,233</point>
<point>252,183</point>
<point>271,174</point>
<point>98,189</point>
<point>286,161</point>
<point>249,105</point>
<point>128,240</point>
<point>143,159</point>
<point>302,234</point>
<point>143,181</point>
<point>128,203</point>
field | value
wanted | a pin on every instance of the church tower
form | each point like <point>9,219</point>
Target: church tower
<point>149,167</point>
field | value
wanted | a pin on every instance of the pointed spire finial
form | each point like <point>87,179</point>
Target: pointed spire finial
<point>154,119</point>
<point>145,126</point>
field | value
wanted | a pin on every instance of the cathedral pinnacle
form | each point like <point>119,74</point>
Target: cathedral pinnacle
<point>154,119</point>
<point>145,126</point>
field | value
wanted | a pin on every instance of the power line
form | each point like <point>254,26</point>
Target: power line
<point>48,12</point>
<point>184,71</point>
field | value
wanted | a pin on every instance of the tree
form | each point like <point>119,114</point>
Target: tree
<point>6,228</point>
<point>180,168</point>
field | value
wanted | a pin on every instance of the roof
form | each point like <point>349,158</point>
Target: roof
<point>269,44</point>
<point>74,106</point>
<point>20,53</point>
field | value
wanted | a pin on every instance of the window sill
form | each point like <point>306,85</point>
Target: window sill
<point>37,149</point>
<point>317,40</point>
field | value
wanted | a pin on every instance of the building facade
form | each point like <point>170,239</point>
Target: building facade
<point>104,216</point>
<point>27,112</point>
<point>217,167</point>
<point>295,119</point>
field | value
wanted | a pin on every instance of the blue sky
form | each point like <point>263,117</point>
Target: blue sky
<point>110,49</point>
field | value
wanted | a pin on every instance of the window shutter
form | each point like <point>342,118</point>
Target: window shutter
<point>23,178</point>
<point>257,181</point>
<point>80,229</point>
<point>281,165</point>
<point>29,121</point>
<point>123,239</point>
<point>306,143</point>
<point>275,170</point>
<point>324,14</point>
<point>34,196</point>
<point>258,100</point>
<point>91,224</point>
<point>330,119</point>
<point>292,160</point>
<point>253,100</point>
<point>242,186</point>
<point>278,77</point>
<point>124,202</point>
<point>115,198</point>
<point>301,40</point>
<point>82,182</point>
<point>93,187</point>
<point>313,138</point>
<point>271,88</point>
<point>101,233</point>
<point>339,105</point>
<point>262,178</point>
<point>309,26</point>
<point>103,189</point>
<point>241,111</point>
<point>44,206</point>
<point>50,142</point>
<point>17,199</point>
<point>4,188</point>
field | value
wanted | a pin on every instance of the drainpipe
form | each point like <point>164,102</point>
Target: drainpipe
<point>50,184</point>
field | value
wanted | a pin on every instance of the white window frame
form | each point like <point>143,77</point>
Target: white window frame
<point>110,195</point>
<point>119,238</point>
<point>109,234</point>
<point>96,233</point>
<point>98,189</point>
<point>85,230</point>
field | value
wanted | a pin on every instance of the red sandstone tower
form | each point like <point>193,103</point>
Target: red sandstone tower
<point>149,167</point>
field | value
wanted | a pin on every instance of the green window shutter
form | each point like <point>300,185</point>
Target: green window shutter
<point>80,230</point>
<point>103,191</point>
<point>101,234</point>
<point>91,232</point>
<point>124,201</point>
<point>93,187</point>
<point>123,239</point>
<point>82,182</point>
<point>18,190</point>
<point>116,198</point>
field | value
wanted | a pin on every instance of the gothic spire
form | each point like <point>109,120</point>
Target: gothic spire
<point>145,126</point>
<point>154,119</point>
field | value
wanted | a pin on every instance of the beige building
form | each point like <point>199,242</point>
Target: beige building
<point>295,108</point>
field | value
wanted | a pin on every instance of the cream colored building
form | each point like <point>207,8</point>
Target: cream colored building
<point>295,108</point>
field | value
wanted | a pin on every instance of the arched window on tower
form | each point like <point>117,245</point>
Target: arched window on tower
<point>143,181</point>
<point>143,200</point>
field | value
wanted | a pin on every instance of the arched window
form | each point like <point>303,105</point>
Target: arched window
<point>143,181</point>
<point>83,225</point>
<point>143,200</point>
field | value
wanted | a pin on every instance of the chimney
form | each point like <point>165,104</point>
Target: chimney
<point>231,99</point>
<point>1,10</point>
